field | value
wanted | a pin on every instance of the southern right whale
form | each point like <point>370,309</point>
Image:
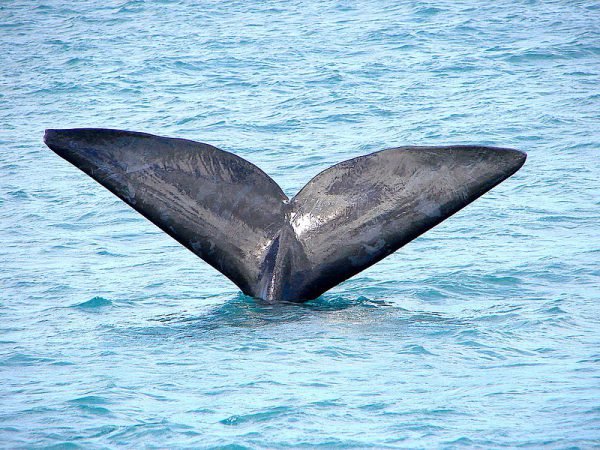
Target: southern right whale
<point>236,218</point>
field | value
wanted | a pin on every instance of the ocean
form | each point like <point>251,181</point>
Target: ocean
<point>482,333</point>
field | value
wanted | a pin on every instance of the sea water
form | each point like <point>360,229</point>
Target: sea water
<point>484,332</point>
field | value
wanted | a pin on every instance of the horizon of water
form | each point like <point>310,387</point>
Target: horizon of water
<point>484,332</point>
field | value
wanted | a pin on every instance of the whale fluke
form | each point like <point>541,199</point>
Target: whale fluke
<point>235,217</point>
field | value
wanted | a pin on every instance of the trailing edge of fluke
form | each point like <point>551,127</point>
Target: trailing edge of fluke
<point>236,218</point>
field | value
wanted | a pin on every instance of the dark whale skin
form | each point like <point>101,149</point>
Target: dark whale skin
<point>236,218</point>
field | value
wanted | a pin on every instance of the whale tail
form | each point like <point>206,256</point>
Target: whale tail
<point>236,218</point>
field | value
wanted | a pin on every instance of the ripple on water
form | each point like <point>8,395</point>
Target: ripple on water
<point>92,404</point>
<point>93,303</point>
<point>481,333</point>
<point>262,416</point>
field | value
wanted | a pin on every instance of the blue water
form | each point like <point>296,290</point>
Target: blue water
<point>484,332</point>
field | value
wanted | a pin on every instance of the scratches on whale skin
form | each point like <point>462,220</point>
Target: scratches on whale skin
<point>235,217</point>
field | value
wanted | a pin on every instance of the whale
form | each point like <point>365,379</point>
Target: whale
<point>236,218</point>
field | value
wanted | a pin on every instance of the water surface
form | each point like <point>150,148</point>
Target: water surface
<point>482,333</point>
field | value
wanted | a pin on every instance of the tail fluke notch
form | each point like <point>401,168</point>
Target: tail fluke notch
<point>236,218</point>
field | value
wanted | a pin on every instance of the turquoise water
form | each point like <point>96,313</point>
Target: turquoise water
<point>485,332</point>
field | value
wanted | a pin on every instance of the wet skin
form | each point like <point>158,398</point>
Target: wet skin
<point>235,217</point>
